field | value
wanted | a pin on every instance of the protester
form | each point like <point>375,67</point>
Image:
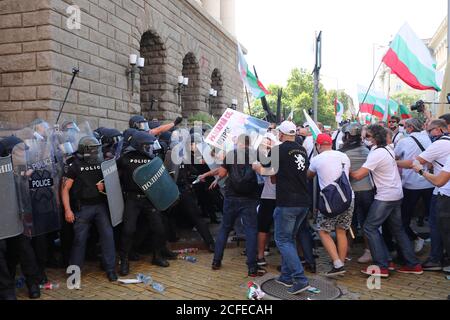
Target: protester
<point>328,166</point>
<point>387,205</point>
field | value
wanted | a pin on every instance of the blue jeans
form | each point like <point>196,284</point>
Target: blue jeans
<point>244,209</point>
<point>83,220</point>
<point>306,240</point>
<point>287,222</point>
<point>436,253</point>
<point>390,211</point>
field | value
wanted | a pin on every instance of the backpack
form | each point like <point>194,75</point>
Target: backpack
<point>336,198</point>
<point>242,179</point>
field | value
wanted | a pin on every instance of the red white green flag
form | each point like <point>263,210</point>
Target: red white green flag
<point>339,110</point>
<point>249,79</point>
<point>411,61</point>
<point>376,104</point>
<point>404,112</point>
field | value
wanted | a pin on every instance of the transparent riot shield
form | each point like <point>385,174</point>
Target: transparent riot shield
<point>10,222</point>
<point>113,191</point>
<point>37,185</point>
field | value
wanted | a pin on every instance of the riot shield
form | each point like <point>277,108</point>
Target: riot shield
<point>113,191</point>
<point>10,223</point>
<point>156,183</point>
<point>37,184</point>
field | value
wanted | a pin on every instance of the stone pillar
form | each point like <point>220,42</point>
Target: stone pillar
<point>227,15</point>
<point>213,8</point>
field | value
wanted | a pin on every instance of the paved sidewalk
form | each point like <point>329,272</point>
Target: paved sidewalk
<point>185,280</point>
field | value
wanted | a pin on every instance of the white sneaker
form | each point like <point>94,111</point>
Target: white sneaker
<point>446,269</point>
<point>366,257</point>
<point>418,245</point>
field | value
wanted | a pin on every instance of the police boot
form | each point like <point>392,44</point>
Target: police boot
<point>33,291</point>
<point>170,255</point>
<point>124,269</point>
<point>158,260</point>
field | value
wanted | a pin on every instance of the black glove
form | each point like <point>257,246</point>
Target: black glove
<point>178,121</point>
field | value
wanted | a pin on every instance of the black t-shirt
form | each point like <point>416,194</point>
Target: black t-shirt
<point>126,165</point>
<point>231,163</point>
<point>85,176</point>
<point>292,190</point>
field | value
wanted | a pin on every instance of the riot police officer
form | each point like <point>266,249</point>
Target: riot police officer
<point>140,123</point>
<point>109,138</point>
<point>139,153</point>
<point>17,249</point>
<point>85,204</point>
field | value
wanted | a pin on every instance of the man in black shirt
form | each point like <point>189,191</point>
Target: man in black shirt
<point>292,203</point>
<point>82,192</point>
<point>139,153</point>
<point>241,199</point>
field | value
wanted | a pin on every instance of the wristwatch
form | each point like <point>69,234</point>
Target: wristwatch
<point>421,172</point>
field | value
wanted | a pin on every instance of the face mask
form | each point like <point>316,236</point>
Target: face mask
<point>402,130</point>
<point>368,143</point>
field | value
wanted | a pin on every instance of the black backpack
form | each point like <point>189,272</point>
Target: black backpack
<point>242,179</point>
<point>336,198</point>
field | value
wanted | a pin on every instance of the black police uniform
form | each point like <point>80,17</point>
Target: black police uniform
<point>89,205</point>
<point>188,205</point>
<point>7,285</point>
<point>136,203</point>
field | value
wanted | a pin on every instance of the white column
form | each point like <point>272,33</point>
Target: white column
<point>227,15</point>
<point>213,8</point>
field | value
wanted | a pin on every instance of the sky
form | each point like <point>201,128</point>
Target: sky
<point>279,35</point>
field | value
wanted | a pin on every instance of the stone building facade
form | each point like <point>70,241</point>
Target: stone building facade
<point>39,47</point>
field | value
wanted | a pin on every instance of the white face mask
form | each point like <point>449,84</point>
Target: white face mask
<point>401,130</point>
<point>368,143</point>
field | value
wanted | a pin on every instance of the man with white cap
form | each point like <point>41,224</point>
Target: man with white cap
<point>288,167</point>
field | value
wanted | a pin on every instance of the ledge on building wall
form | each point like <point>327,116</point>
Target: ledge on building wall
<point>212,20</point>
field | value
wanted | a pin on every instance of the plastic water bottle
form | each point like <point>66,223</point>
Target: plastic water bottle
<point>49,286</point>
<point>189,258</point>
<point>146,280</point>
<point>158,287</point>
<point>20,282</point>
<point>187,250</point>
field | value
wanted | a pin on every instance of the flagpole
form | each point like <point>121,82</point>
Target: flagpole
<point>368,90</point>
<point>248,102</point>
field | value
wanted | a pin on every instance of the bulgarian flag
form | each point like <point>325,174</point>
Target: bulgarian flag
<point>411,61</point>
<point>315,131</point>
<point>368,119</point>
<point>339,110</point>
<point>374,103</point>
<point>404,112</point>
<point>249,79</point>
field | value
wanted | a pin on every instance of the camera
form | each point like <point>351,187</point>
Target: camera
<point>310,112</point>
<point>419,107</point>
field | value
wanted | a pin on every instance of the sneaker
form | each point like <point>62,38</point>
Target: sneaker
<point>298,288</point>
<point>446,269</point>
<point>335,272</point>
<point>266,252</point>
<point>384,273</point>
<point>256,272</point>
<point>431,266</point>
<point>392,266</point>
<point>418,245</point>
<point>261,262</point>
<point>285,283</point>
<point>366,257</point>
<point>411,270</point>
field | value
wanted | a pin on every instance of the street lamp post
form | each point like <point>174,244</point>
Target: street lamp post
<point>182,85</point>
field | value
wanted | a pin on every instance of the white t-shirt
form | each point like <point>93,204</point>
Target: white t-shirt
<point>328,166</point>
<point>438,152</point>
<point>308,144</point>
<point>269,190</point>
<point>338,135</point>
<point>408,149</point>
<point>381,162</point>
<point>447,165</point>
<point>397,137</point>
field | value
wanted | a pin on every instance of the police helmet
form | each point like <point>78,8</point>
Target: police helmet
<point>143,142</point>
<point>139,123</point>
<point>7,145</point>
<point>69,125</point>
<point>353,129</point>
<point>90,149</point>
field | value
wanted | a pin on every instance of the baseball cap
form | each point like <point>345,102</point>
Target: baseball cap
<point>324,139</point>
<point>288,128</point>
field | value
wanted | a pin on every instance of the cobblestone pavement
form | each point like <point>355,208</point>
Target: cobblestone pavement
<point>185,280</point>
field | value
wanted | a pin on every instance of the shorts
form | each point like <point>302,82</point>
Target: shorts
<point>265,214</point>
<point>342,221</point>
